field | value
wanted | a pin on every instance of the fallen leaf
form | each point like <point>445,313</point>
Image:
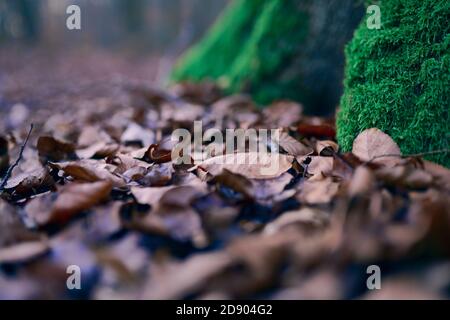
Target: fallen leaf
<point>376,146</point>
<point>326,148</point>
<point>292,146</point>
<point>28,183</point>
<point>250,165</point>
<point>77,197</point>
<point>89,171</point>
<point>52,149</point>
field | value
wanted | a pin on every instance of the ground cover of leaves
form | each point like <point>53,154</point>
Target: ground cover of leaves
<point>96,188</point>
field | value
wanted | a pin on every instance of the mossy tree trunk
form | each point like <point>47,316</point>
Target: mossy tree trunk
<point>398,78</point>
<point>277,49</point>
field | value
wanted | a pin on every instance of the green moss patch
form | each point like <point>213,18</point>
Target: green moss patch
<point>397,78</point>
<point>277,49</point>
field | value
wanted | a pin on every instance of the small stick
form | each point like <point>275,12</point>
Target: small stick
<point>416,155</point>
<point>11,168</point>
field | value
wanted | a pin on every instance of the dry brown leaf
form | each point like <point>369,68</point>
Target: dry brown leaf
<point>89,171</point>
<point>77,197</point>
<point>292,146</point>
<point>250,165</point>
<point>318,166</point>
<point>30,182</point>
<point>326,148</point>
<point>235,181</point>
<point>52,149</point>
<point>373,144</point>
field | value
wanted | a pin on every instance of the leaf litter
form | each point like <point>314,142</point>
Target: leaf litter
<point>96,187</point>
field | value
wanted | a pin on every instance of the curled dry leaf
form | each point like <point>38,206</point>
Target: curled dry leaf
<point>376,146</point>
<point>317,166</point>
<point>250,165</point>
<point>292,146</point>
<point>157,154</point>
<point>326,148</point>
<point>89,171</point>
<point>52,149</point>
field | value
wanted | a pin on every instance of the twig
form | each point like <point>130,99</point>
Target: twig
<point>416,155</point>
<point>11,168</point>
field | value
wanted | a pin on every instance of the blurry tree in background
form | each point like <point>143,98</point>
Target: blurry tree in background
<point>20,19</point>
<point>158,26</point>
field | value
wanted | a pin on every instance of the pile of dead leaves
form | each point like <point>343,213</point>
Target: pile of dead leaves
<point>96,188</point>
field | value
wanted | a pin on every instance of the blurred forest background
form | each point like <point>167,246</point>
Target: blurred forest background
<point>43,64</point>
<point>157,26</point>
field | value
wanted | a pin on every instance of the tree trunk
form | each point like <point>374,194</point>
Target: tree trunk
<point>277,49</point>
<point>398,80</point>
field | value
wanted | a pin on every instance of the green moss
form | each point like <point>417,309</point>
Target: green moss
<point>397,78</point>
<point>213,57</point>
<point>259,62</point>
<point>276,49</point>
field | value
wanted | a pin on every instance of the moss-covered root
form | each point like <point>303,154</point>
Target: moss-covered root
<point>223,42</point>
<point>398,78</point>
<point>277,49</point>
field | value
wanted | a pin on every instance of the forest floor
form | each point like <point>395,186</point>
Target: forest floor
<point>95,187</point>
